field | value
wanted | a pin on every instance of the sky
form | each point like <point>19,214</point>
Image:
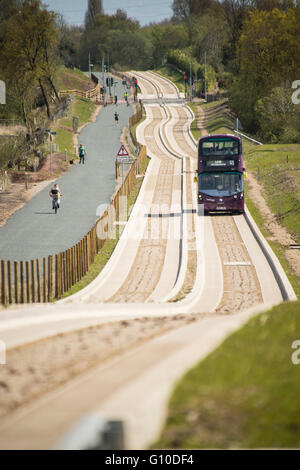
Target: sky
<point>145,11</point>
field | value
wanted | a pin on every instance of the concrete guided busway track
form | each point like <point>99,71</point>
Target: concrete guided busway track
<point>234,270</point>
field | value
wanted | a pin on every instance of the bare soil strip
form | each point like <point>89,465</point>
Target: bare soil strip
<point>241,285</point>
<point>147,267</point>
<point>38,368</point>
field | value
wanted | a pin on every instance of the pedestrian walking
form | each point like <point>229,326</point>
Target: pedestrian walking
<point>116,117</point>
<point>82,153</point>
<point>126,95</point>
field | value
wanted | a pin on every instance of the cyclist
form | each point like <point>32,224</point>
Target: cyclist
<point>55,194</point>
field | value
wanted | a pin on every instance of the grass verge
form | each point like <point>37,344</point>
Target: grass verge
<point>194,127</point>
<point>245,393</point>
<point>173,75</point>
<point>82,108</point>
<point>71,79</point>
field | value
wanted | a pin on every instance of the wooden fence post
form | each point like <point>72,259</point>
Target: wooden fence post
<point>56,277</point>
<point>44,280</point>
<point>72,266</point>
<point>3,283</point>
<point>27,282</point>
<point>10,296</point>
<point>38,274</point>
<point>33,285</point>
<point>64,270</point>
<point>22,283</point>
<point>88,253</point>
<point>16,282</point>
<point>50,280</point>
<point>69,268</point>
<point>76,263</point>
<point>81,260</point>
<point>60,269</point>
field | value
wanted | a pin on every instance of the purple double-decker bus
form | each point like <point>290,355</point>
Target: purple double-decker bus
<point>221,173</point>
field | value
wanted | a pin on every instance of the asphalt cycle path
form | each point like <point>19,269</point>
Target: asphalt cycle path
<point>35,231</point>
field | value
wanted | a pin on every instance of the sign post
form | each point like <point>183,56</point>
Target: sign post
<point>123,158</point>
<point>51,134</point>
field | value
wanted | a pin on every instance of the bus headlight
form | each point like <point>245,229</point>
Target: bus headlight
<point>241,195</point>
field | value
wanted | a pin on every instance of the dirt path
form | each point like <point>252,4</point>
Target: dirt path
<point>278,233</point>
<point>201,118</point>
<point>15,196</point>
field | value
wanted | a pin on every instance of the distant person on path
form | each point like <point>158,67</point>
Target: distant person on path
<point>55,194</point>
<point>116,117</point>
<point>82,153</point>
<point>126,97</point>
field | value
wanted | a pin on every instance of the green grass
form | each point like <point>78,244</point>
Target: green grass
<point>100,261</point>
<point>194,128</point>
<point>173,75</point>
<point>217,124</point>
<point>64,139</point>
<point>243,395</point>
<point>71,79</point>
<point>81,107</point>
<point>133,128</point>
<point>246,393</point>
<point>280,179</point>
<point>213,104</point>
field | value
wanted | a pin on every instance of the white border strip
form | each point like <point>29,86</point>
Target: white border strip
<point>286,288</point>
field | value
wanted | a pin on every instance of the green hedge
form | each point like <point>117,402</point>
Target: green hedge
<point>183,60</point>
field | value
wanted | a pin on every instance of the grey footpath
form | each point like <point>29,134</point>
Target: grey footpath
<point>35,231</point>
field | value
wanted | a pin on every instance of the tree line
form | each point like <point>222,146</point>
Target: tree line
<point>252,48</point>
<point>28,59</point>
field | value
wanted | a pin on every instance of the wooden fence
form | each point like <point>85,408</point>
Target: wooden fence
<point>48,279</point>
<point>93,93</point>
<point>134,120</point>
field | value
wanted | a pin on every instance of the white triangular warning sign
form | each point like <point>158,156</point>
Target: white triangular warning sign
<point>123,152</point>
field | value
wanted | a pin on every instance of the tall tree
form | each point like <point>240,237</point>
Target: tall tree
<point>94,8</point>
<point>184,8</point>
<point>29,37</point>
<point>269,55</point>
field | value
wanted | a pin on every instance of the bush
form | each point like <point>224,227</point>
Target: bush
<point>183,60</point>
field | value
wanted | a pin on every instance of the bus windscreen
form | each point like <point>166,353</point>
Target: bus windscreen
<point>216,184</point>
<point>219,147</point>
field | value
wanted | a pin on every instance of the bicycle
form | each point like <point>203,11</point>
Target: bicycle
<point>55,195</point>
<point>55,205</point>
